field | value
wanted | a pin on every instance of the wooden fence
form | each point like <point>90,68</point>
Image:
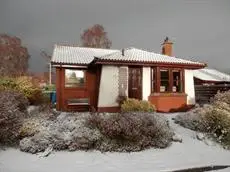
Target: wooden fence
<point>204,93</point>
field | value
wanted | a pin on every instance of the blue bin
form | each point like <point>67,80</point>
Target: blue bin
<point>53,97</point>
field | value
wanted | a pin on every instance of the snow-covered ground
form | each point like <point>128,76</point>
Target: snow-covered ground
<point>190,153</point>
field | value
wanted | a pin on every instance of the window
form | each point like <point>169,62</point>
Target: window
<point>153,80</point>
<point>167,80</point>
<point>74,78</point>
<point>164,80</point>
<point>177,81</point>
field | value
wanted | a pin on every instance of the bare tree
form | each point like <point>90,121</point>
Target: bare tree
<point>95,37</point>
<point>13,56</point>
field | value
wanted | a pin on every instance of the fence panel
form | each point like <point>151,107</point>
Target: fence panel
<point>204,93</point>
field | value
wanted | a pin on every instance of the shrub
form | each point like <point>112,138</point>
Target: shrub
<point>29,127</point>
<point>67,131</point>
<point>213,119</point>
<point>50,87</point>
<point>12,112</point>
<point>134,105</point>
<point>217,120</point>
<point>194,119</point>
<point>223,97</point>
<point>121,99</point>
<point>131,131</point>
<point>24,85</point>
<point>104,132</point>
<point>7,83</point>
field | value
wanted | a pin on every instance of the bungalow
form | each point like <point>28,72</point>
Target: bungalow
<point>97,77</point>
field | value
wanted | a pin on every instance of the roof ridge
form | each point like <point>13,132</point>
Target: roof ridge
<point>109,54</point>
<point>76,46</point>
<point>66,45</point>
<point>151,51</point>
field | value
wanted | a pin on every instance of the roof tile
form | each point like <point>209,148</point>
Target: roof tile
<point>83,55</point>
<point>207,74</point>
<point>138,55</point>
<point>77,55</point>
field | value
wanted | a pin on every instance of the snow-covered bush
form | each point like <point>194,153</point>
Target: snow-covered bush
<point>223,97</point>
<point>213,119</point>
<point>132,131</point>
<point>104,132</point>
<point>13,109</point>
<point>29,127</point>
<point>67,131</point>
<point>218,122</point>
<point>134,105</point>
<point>194,119</point>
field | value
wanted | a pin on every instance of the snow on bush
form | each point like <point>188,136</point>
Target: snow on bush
<point>105,132</point>
<point>13,109</point>
<point>135,105</point>
<point>213,119</point>
<point>132,131</point>
<point>218,120</point>
<point>194,119</point>
<point>67,131</point>
<point>30,127</point>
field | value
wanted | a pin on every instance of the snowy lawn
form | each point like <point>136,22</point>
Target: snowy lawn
<point>190,153</point>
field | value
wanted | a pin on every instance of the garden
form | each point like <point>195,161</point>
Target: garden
<point>29,122</point>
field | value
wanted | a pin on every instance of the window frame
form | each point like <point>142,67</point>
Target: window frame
<point>157,79</point>
<point>180,80</point>
<point>153,80</point>
<point>76,87</point>
<point>168,80</point>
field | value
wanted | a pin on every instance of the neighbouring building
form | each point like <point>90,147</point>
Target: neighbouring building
<point>99,76</point>
<point>209,76</point>
<point>208,82</point>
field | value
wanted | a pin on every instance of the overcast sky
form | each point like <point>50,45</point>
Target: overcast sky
<point>199,29</point>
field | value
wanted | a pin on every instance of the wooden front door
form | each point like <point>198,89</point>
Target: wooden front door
<point>135,82</point>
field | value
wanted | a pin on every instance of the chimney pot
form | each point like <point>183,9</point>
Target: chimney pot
<point>123,52</point>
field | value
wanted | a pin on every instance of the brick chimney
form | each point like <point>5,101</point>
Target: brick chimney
<point>167,47</point>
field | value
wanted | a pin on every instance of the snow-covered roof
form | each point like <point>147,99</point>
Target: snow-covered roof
<point>77,55</point>
<point>207,74</point>
<point>139,55</point>
<point>82,55</point>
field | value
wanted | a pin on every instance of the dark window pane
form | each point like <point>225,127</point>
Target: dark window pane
<point>153,80</point>
<point>164,80</point>
<point>177,81</point>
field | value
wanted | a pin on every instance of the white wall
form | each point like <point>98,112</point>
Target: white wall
<point>146,83</point>
<point>108,91</point>
<point>189,87</point>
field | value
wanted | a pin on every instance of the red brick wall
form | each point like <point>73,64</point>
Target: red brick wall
<point>167,48</point>
<point>167,102</point>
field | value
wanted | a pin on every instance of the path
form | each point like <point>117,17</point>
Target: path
<point>189,153</point>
